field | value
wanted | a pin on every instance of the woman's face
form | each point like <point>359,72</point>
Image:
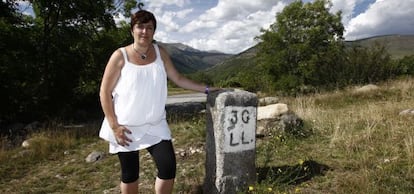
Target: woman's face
<point>143,33</point>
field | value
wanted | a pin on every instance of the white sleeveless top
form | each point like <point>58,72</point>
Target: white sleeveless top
<point>139,99</point>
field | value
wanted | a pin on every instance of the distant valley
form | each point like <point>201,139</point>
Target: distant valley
<point>189,60</point>
<point>222,66</point>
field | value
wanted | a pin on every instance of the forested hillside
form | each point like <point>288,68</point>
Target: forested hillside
<point>398,46</point>
<point>190,60</point>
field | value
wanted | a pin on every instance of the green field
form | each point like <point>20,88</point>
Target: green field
<point>358,144</point>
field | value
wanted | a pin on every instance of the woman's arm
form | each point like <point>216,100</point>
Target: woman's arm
<point>109,80</point>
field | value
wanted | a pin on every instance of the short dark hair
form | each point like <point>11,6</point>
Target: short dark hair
<point>143,16</point>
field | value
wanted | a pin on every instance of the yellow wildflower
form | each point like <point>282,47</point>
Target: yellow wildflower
<point>301,161</point>
<point>251,188</point>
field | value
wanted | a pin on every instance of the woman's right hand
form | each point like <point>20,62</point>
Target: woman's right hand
<point>120,136</point>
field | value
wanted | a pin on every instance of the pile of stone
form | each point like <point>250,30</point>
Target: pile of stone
<point>274,117</point>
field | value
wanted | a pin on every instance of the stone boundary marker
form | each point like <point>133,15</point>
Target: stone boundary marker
<point>231,141</point>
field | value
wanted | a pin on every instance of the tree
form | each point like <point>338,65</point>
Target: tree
<point>303,47</point>
<point>15,70</point>
<point>405,66</point>
<point>52,63</point>
<point>368,64</point>
<point>63,33</point>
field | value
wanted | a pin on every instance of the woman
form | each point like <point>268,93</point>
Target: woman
<point>133,94</point>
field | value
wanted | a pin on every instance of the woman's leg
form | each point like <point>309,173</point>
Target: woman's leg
<point>164,186</point>
<point>129,172</point>
<point>164,157</point>
<point>129,188</point>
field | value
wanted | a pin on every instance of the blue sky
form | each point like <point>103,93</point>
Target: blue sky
<point>230,25</point>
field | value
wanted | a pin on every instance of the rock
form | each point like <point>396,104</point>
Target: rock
<point>407,112</point>
<point>286,123</point>
<point>266,127</point>
<point>59,176</point>
<point>271,111</point>
<point>292,124</point>
<point>268,100</point>
<point>367,88</point>
<point>26,143</point>
<point>94,156</point>
<point>188,152</point>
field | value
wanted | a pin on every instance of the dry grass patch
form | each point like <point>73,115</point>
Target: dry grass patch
<point>359,144</point>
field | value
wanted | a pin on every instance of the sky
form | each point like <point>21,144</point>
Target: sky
<point>230,26</point>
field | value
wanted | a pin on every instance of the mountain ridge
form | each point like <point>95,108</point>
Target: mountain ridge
<point>190,60</point>
<point>398,46</point>
<point>222,66</point>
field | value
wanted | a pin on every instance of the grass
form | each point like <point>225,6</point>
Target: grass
<point>358,144</point>
<point>173,90</point>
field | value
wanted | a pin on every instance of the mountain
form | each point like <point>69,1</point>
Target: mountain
<point>231,66</point>
<point>189,60</point>
<point>398,46</point>
<point>221,66</point>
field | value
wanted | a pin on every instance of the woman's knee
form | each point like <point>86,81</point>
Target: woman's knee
<point>129,177</point>
<point>164,156</point>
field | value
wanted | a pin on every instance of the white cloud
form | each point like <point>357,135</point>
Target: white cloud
<point>163,36</point>
<point>231,26</point>
<point>161,3</point>
<point>183,13</point>
<point>167,19</point>
<point>229,10</point>
<point>347,8</point>
<point>382,18</point>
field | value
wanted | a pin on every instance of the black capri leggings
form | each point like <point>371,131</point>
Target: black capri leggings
<point>163,155</point>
